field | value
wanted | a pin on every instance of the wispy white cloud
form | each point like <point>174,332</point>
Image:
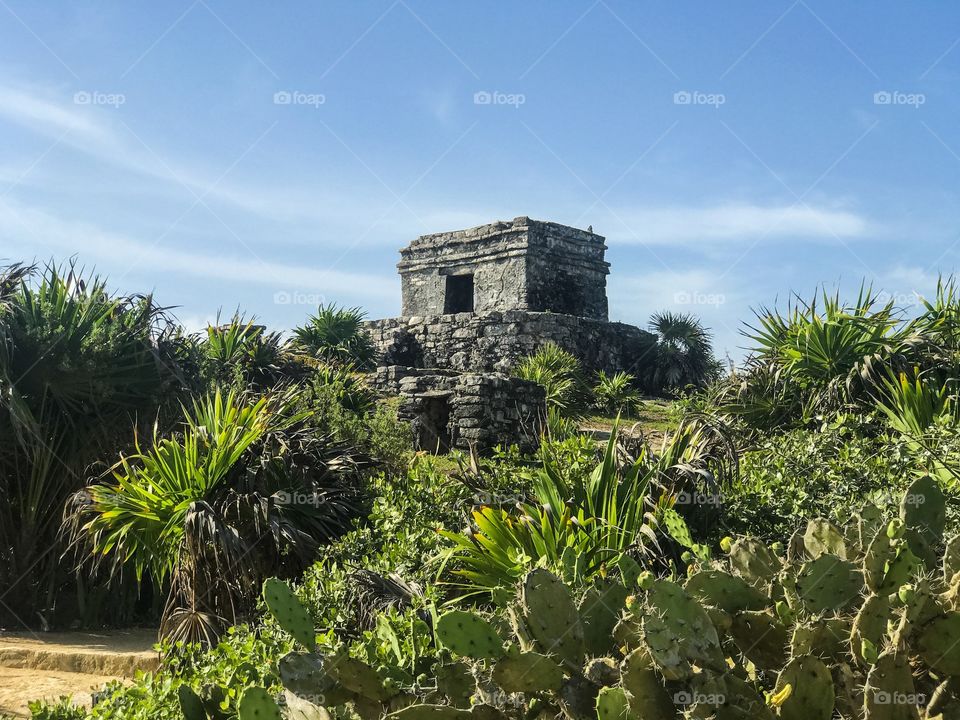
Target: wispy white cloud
<point>677,225</point>
<point>120,253</point>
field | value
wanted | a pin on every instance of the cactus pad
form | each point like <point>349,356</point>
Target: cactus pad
<point>829,583</point>
<point>429,712</point>
<point>679,633</point>
<point>924,509</point>
<point>762,638</point>
<point>889,693</point>
<point>287,610</point>
<point>528,672</point>
<point>754,561</point>
<point>870,625</point>
<point>823,538</point>
<point>939,643</point>
<point>811,696</point>
<point>469,635</point>
<point>728,592</point>
<point>600,610</point>
<point>190,704</point>
<point>612,704</point>
<point>551,617</point>
<point>257,704</point>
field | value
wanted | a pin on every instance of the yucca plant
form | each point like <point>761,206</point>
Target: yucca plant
<point>615,394</point>
<point>336,335</point>
<point>242,353</point>
<point>78,368</point>
<point>245,491</point>
<point>914,403</point>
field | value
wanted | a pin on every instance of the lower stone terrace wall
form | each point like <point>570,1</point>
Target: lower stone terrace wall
<point>495,342</point>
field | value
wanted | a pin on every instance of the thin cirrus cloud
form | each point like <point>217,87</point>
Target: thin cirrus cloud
<point>679,225</point>
<point>125,255</point>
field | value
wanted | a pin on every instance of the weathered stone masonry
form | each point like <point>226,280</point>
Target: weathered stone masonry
<point>475,302</point>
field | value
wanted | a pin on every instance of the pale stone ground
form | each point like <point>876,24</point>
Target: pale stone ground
<point>49,665</point>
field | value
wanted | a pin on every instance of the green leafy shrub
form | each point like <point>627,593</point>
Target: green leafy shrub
<point>336,335</point>
<point>560,375</point>
<point>615,394</point>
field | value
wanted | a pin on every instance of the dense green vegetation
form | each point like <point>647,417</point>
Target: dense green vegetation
<point>776,542</point>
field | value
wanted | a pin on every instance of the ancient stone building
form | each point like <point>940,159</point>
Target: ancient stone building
<point>475,302</point>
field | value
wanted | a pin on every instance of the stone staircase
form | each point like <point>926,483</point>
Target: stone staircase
<point>51,665</point>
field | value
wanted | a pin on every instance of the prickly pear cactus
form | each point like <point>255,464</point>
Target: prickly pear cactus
<point>257,704</point>
<point>551,617</point>
<point>648,697</point>
<point>829,583</point>
<point>469,635</point>
<point>190,704</point>
<point>429,712</point>
<point>612,704</point>
<point>823,538</point>
<point>527,672</point>
<point>287,609</point>
<point>811,692</point>
<point>727,592</point>
<point>754,562</point>
<point>679,632</point>
<point>600,610</point>
<point>939,643</point>
<point>890,693</point>
<point>762,638</point>
<point>869,627</point>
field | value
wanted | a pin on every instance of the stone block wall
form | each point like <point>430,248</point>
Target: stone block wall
<point>496,341</point>
<point>459,410</point>
<point>520,265</point>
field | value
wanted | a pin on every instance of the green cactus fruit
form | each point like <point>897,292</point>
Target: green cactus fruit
<point>551,616</point>
<point>785,612</point>
<point>258,704</point>
<point>895,529</point>
<point>645,579</point>
<point>726,543</point>
<point>528,672</point>
<point>469,635</point>
<point>939,643</point>
<point>429,712</point>
<point>679,632</point>
<point>890,693</point>
<point>190,704</point>
<point>811,696</point>
<point>602,671</point>
<point>289,612</point>
<point>358,677</point>
<point>600,610</point>
<point>629,570</point>
<point>648,698</point>
<point>456,682</point>
<point>612,704</point>
<point>924,509</point>
<point>823,538</point>
<point>829,583</point>
<point>725,591</point>
<point>754,562</point>
<point>761,637</point>
<point>870,626</point>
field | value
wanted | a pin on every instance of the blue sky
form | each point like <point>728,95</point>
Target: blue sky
<point>270,156</point>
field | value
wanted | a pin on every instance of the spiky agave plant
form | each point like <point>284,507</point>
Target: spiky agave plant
<point>560,375</point>
<point>246,490</point>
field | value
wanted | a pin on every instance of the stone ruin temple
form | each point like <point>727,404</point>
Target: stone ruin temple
<point>477,301</point>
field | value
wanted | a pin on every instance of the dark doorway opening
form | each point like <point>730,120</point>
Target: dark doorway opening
<point>459,295</point>
<point>434,425</point>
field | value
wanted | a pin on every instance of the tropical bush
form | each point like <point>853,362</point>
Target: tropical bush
<point>560,374</point>
<point>683,354</point>
<point>336,335</point>
<point>615,394</point>
<point>247,490</point>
